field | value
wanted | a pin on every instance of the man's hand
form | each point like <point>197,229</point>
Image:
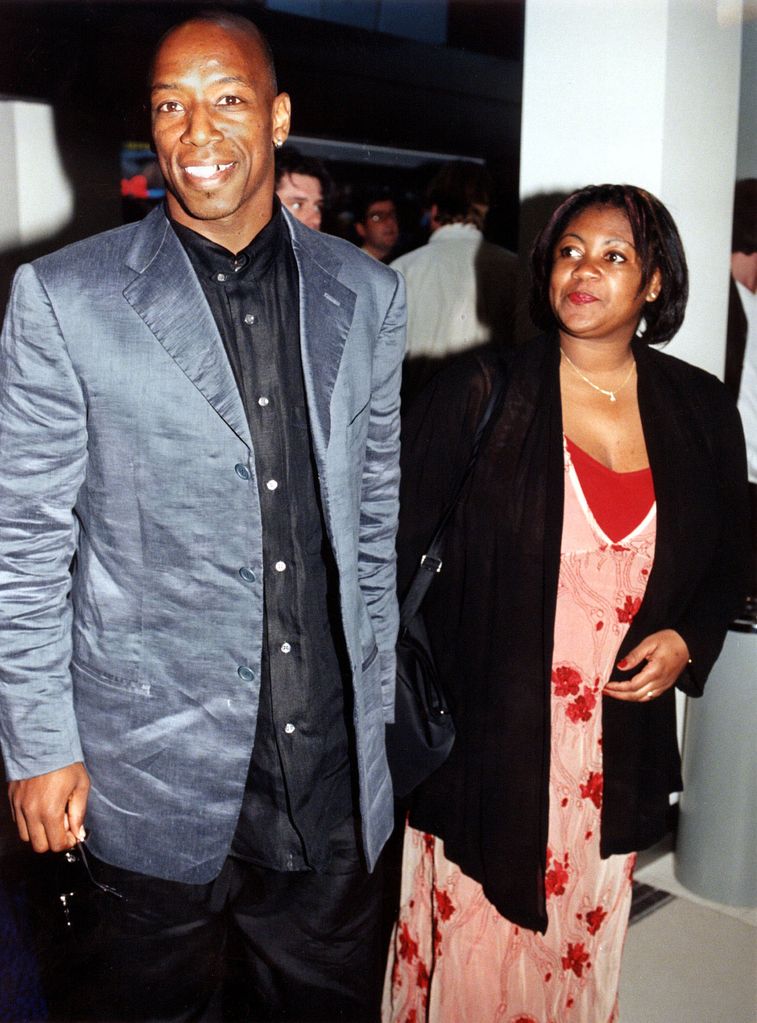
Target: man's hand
<point>49,809</point>
<point>666,655</point>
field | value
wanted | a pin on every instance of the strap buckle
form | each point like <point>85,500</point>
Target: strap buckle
<point>434,564</point>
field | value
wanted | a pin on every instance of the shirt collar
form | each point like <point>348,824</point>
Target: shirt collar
<point>449,231</point>
<point>210,259</point>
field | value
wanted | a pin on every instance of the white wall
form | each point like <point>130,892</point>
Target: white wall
<point>746,160</point>
<point>37,199</point>
<point>646,92</point>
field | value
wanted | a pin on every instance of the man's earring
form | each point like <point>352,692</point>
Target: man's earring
<point>278,143</point>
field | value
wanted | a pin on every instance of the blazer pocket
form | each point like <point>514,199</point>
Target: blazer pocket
<point>120,720</point>
<point>131,687</point>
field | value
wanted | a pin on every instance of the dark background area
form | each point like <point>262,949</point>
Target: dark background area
<point>90,60</point>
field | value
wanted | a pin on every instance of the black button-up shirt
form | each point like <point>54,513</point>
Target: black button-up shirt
<point>299,785</point>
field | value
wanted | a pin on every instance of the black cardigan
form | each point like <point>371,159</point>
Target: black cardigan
<point>491,612</point>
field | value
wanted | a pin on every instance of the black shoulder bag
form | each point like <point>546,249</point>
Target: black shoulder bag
<point>421,738</point>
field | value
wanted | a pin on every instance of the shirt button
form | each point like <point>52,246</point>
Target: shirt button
<point>247,574</point>
<point>249,319</point>
<point>289,728</point>
<point>286,647</point>
<point>221,277</point>
<point>242,471</point>
<point>262,401</point>
<point>280,566</point>
<point>272,484</point>
<point>245,673</point>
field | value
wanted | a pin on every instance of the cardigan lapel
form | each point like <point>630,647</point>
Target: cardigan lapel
<point>326,311</point>
<point>168,297</point>
<point>665,441</point>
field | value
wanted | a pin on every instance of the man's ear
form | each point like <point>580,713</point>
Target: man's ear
<point>360,228</point>
<point>281,115</point>
<point>433,217</point>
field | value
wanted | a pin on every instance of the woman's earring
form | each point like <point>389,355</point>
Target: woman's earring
<point>278,143</point>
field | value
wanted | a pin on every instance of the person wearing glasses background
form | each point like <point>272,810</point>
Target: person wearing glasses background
<point>199,448</point>
<point>376,223</point>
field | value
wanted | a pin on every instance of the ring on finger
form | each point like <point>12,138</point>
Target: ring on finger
<point>649,694</point>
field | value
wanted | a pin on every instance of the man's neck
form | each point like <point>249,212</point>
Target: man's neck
<point>376,253</point>
<point>233,233</point>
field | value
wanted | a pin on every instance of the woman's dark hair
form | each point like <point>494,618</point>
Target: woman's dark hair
<point>658,246</point>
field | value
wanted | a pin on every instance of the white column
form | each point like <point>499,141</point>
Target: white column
<point>37,198</point>
<point>644,92</point>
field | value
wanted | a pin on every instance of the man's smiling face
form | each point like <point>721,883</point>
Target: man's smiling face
<point>214,118</point>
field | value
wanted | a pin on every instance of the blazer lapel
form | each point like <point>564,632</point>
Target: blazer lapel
<point>326,311</point>
<point>168,297</point>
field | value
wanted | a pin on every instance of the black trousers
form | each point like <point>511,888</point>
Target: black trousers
<point>255,944</point>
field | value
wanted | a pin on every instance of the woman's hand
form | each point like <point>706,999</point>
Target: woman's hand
<point>666,655</point>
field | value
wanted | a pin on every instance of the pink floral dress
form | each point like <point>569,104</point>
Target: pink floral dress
<point>454,959</point>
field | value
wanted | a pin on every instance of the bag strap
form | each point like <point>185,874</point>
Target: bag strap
<point>431,562</point>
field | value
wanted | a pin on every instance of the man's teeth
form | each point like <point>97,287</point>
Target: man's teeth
<point>203,171</point>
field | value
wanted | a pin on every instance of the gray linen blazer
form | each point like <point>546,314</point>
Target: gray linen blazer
<point>128,506</point>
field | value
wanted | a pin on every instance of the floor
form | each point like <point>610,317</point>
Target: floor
<point>689,961</point>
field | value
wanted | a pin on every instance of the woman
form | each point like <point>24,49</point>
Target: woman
<point>594,564</point>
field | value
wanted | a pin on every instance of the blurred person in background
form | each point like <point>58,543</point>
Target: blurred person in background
<point>303,185</point>
<point>461,289</point>
<point>741,350</point>
<point>376,223</point>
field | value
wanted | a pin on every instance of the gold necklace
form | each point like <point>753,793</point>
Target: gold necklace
<point>612,395</point>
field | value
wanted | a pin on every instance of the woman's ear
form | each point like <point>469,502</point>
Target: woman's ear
<point>654,287</point>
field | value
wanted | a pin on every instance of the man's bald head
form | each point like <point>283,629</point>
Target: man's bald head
<point>231,23</point>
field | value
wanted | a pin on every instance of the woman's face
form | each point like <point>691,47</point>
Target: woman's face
<point>596,277</point>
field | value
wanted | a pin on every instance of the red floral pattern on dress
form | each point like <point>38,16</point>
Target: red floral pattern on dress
<point>408,949</point>
<point>630,608</point>
<point>594,919</point>
<point>566,680</point>
<point>444,904</point>
<point>423,978</point>
<point>576,958</point>
<point>478,966</point>
<point>557,877</point>
<point>592,788</point>
<point>581,708</point>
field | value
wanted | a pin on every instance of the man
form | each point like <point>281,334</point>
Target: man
<point>302,185</point>
<point>741,347</point>
<point>376,224</point>
<point>199,414</point>
<point>461,289</point>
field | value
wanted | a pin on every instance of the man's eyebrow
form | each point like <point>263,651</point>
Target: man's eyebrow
<point>226,80</point>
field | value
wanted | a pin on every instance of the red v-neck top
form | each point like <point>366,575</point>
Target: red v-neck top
<point>619,501</point>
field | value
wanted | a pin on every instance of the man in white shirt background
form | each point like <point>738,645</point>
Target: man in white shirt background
<point>741,350</point>
<point>461,289</point>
